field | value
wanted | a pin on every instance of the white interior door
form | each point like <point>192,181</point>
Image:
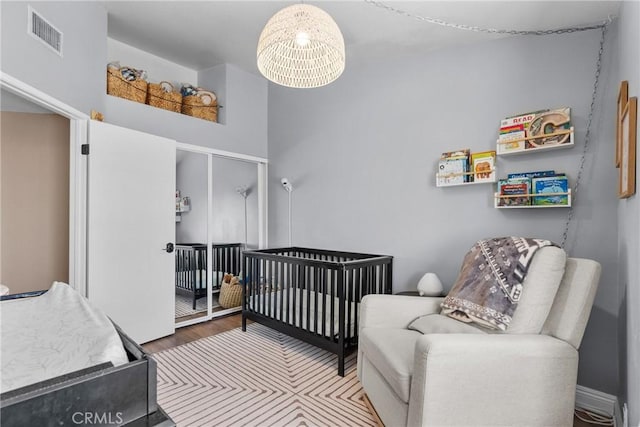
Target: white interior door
<point>131,219</point>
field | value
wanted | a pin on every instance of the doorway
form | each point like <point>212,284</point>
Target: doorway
<point>77,237</point>
<point>34,225</point>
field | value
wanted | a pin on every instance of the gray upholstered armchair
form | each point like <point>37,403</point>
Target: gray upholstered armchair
<point>421,368</point>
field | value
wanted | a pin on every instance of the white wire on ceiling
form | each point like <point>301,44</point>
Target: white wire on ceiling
<point>477,29</point>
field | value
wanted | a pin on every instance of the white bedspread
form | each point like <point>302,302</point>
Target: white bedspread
<point>53,334</point>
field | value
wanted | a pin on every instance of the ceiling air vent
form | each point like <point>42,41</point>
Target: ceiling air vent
<point>41,29</point>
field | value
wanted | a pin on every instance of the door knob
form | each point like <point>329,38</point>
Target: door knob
<point>169,248</point>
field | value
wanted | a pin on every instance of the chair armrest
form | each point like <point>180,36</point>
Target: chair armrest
<point>395,311</point>
<point>499,379</point>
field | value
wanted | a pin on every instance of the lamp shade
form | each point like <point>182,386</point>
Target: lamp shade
<point>301,47</point>
<point>430,285</point>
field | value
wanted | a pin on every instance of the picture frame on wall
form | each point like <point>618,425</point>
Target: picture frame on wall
<point>628,127</point>
<point>623,97</point>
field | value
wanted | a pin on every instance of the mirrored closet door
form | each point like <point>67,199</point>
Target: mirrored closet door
<point>234,228</point>
<point>218,217</point>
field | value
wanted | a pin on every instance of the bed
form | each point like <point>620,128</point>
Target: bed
<point>66,363</point>
<point>191,266</point>
<point>313,294</point>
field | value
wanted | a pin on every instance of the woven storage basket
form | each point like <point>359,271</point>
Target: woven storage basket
<point>197,106</point>
<point>157,96</point>
<point>230,295</point>
<point>117,85</point>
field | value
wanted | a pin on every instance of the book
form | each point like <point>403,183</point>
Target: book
<point>453,167</point>
<point>513,187</point>
<point>511,138</point>
<point>483,166</point>
<point>452,171</point>
<point>555,188</point>
<point>535,123</point>
<point>534,174</point>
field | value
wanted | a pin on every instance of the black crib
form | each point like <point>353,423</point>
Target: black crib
<point>311,294</point>
<point>191,266</point>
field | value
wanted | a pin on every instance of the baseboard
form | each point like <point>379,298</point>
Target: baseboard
<point>597,401</point>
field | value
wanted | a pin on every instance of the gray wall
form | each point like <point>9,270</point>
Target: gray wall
<point>191,180</point>
<point>215,78</point>
<point>78,78</point>
<point>17,104</point>
<point>362,155</point>
<point>228,205</point>
<point>628,226</point>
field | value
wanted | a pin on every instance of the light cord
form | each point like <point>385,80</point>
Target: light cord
<point>587,138</point>
<point>477,29</point>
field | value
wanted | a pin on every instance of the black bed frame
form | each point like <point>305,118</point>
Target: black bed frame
<point>99,395</point>
<point>191,265</point>
<point>346,275</point>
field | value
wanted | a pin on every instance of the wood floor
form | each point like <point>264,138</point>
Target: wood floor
<point>226,323</point>
<point>195,332</point>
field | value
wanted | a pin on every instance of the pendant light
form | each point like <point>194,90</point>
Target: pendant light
<point>301,46</point>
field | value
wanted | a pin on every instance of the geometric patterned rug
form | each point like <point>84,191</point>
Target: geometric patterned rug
<point>258,378</point>
<point>184,305</point>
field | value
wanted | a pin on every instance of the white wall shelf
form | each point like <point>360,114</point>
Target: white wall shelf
<point>502,151</point>
<point>459,184</point>
<point>497,197</point>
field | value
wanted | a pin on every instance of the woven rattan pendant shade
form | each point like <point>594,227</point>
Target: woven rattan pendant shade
<point>301,47</point>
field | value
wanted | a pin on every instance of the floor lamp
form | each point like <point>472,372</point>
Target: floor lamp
<point>289,189</point>
<point>244,192</point>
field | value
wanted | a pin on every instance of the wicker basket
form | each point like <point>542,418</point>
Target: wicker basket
<point>157,96</point>
<point>202,105</point>
<point>117,85</point>
<point>230,295</point>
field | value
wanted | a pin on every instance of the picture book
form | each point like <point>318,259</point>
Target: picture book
<point>452,171</point>
<point>518,189</point>
<point>552,190</point>
<point>453,167</point>
<point>511,139</point>
<point>483,166</point>
<point>534,174</point>
<point>533,124</point>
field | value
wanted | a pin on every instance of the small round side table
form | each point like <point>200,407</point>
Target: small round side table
<point>408,293</point>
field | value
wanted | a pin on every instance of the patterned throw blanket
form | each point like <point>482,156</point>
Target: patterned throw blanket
<point>489,286</point>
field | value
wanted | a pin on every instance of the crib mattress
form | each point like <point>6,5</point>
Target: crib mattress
<point>186,277</point>
<point>54,334</point>
<point>269,304</point>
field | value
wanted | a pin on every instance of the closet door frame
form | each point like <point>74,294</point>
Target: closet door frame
<point>78,124</point>
<point>262,190</point>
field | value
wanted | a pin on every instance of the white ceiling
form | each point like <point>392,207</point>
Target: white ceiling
<point>201,34</point>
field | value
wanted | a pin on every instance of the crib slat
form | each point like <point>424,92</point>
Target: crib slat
<point>280,287</point>
<point>316,283</point>
<point>341,302</point>
<point>348,285</point>
<point>309,285</point>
